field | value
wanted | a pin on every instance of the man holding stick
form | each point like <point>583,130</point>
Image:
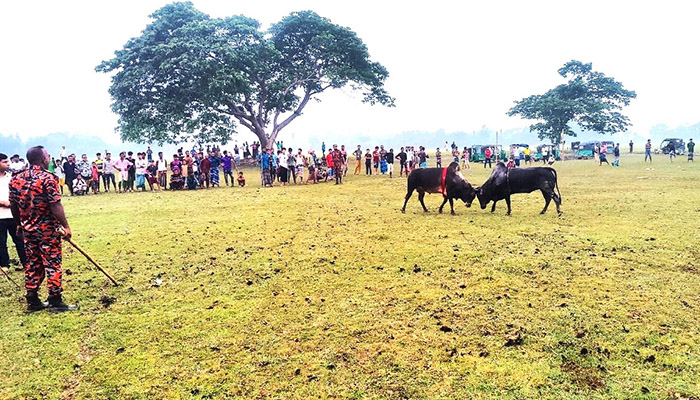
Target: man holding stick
<point>35,201</point>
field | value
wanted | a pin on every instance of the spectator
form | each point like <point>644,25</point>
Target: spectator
<point>69,170</point>
<point>108,173</point>
<point>647,150</point>
<point>691,150</point>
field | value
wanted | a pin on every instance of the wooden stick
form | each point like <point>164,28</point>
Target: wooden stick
<point>63,234</point>
<point>92,261</point>
<point>10,279</point>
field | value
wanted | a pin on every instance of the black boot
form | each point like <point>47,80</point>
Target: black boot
<point>33,302</point>
<point>56,304</point>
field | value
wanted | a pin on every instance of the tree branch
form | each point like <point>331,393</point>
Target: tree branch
<point>276,128</point>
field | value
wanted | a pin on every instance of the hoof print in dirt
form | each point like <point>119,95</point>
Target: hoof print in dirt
<point>107,301</point>
<point>515,338</point>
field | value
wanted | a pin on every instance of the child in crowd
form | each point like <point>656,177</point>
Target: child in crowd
<point>241,179</point>
<point>95,181</point>
<point>511,163</point>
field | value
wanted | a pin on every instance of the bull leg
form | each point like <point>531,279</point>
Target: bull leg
<point>493,207</point>
<point>443,205</point>
<point>508,204</point>
<point>557,202</point>
<point>452,207</point>
<point>408,196</point>
<point>547,198</point>
<point>421,196</point>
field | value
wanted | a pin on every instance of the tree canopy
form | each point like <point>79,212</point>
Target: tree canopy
<point>190,77</point>
<point>589,99</point>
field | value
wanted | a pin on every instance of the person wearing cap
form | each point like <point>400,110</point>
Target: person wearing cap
<point>35,201</point>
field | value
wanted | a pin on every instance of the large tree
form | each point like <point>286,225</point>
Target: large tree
<point>589,99</point>
<point>190,77</point>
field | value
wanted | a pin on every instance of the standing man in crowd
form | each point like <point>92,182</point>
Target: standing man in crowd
<point>69,170</point>
<point>616,153</point>
<point>438,157</point>
<point>7,222</point>
<point>16,164</point>
<point>108,173</point>
<point>122,165</point>
<point>131,176</point>
<point>691,150</point>
<point>631,146</point>
<point>358,160</point>
<point>36,206</point>
<point>227,166</point>
<point>100,163</point>
<point>487,156</point>
<point>337,164</point>
<point>162,168</point>
<point>647,150</point>
<point>84,169</point>
<point>402,157</point>
<point>389,157</point>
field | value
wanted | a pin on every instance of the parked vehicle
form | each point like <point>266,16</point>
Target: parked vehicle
<point>587,150</point>
<point>575,146</point>
<point>678,145</point>
<point>477,152</point>
<point>517,148</point>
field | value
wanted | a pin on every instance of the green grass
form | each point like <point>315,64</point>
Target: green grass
<point>328,291</point>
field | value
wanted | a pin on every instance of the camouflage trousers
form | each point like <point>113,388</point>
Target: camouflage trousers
<point>44,258</point>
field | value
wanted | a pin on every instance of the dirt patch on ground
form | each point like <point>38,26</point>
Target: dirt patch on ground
<point>583,376</point>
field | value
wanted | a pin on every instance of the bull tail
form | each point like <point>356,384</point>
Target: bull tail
<point>556,184</point>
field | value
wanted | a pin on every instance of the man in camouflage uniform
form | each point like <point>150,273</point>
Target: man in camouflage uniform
<point>35,201</point>
<point>338,163</point>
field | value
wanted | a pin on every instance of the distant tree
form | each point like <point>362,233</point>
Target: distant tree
<point>589,99</point>
<point>189,77</point>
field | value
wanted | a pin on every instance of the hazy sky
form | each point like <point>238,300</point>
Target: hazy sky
<point>453,65</point>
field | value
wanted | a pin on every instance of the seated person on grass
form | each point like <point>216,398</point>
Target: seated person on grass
<point>79,186</point>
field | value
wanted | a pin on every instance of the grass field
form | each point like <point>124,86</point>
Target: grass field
<point>328,291</point>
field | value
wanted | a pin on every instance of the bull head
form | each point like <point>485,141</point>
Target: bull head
<point>483,198</point>
<point>468,195</point>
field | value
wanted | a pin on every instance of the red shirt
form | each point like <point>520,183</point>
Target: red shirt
<point>205,165</point>
<point>33,191</point>
<point>329,159</point>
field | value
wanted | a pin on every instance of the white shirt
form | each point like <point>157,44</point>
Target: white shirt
<point>141,166</point>
<point>16,166</point>
<point>162,165</point>
<point>5,212</point>
<point>282,160</point>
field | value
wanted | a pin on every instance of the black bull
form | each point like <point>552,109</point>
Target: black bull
<point>429,180</point>
<point>503,182</point>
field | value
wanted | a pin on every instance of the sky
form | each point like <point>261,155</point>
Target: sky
<point>454,66</point>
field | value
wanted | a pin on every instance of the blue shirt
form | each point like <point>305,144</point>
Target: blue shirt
<point>265,158</point>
